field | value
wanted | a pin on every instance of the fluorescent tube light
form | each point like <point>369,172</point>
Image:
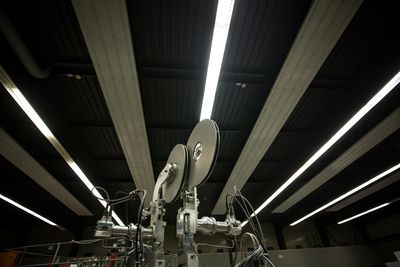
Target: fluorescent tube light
<point>348,193</point>
<point>363,213</point>
<point>31,212</point>
<point>221,30</point>
<point>339,134</point>
<point>35,118</point>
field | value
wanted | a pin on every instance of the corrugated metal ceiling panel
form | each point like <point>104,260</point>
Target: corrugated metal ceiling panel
<point>103,142</point>
<point>236,107</point>
<point>221,172</point>
<point>264,172</point>
<point>162,141</point>
<point>281,145</point>
<point>261,34</point>
<point>172,33</point>
<point>111,171</point>
<point>56,36</point>
<point>89,105</point>
<point>171,103</point>
<point>357,44</point>
<point>231,144</point>
<point>311,106</point>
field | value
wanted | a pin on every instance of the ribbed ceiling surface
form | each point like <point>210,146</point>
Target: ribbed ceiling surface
<point>171,42</point>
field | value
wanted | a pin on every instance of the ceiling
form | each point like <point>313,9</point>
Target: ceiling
<point>171,42</point>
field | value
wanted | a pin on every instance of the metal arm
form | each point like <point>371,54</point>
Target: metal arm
<point>210,226</point>
<point>106,228</point>
<point>187,225</point>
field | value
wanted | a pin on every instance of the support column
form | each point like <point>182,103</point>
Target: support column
<point>279,236</point>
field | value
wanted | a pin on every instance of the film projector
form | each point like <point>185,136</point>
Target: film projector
<point>188,167</point>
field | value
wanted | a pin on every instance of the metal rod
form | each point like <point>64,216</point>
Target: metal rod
<point>21,256</point>
<point>32,253</point>
<point>67,262</point>
<point>55,254</point>
<point>81,242</point>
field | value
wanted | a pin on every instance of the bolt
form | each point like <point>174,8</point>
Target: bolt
<point>197,151</point>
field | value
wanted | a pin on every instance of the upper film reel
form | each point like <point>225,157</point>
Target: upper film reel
<point>203,147</point>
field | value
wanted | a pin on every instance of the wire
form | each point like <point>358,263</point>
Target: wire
<point>229,205</point>
<point>114,201</point>
<point>139,242</point>
<point>139,247</point>
<point>251,207</point>
<point>269,261</point>
<point>259,253</point>
<point>126,206</point>
<point>104,191</point>
<point>213,245</point>
<point>236,250</point>
<point>246,212</point>
<point>195,251</point>
<point>86,242</point>
<point>147,253</point>
<point>245,205</point>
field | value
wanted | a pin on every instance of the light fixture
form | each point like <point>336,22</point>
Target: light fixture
<point>31,212</point>
<point>339,134</point>
<point>363,213</point>
<point>35,118</point>
<point>220,35</point>
<point>348,193</point>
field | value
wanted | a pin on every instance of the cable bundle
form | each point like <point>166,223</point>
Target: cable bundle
<point>257,256</point>
<point>147,257</point>
<point>260,253</point>
<point>139,247</point>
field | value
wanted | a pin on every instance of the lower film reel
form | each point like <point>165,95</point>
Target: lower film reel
<point>173,186</point>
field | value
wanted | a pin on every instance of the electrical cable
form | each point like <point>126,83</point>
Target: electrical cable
<point>85,242</point>
<point>256,217</point>
<point>139,242</point>
<point>104,191</point>
<point>236,251</point>
<point>213,245</point>
<point>114,201</point>
<point>269,261</point>
<point>252,209</point>
<point>147,253</point>
<point>246,211</point>
<point>126,207</point>
<point>259,253</point>
<point>139,248</point>
<point>195,251</point>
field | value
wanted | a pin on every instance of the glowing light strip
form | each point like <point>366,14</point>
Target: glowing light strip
<point>348,193</point>
<point>35,118</point>
<point>339,134</point>
<point>31,212</point>
<point>220,35</point>
<point>363,213</point>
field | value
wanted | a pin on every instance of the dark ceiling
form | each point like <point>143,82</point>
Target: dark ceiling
<point>171,40</point>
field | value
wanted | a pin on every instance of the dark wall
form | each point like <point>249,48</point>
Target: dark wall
<point>385,234</point>
<point>10,238</point>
